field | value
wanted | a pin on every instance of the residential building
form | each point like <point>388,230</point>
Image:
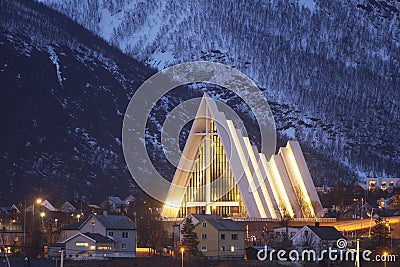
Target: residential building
<point>114,204</point>
<point>83,246</point>
<point>67,207</point>
<point>383,184</point>
<point>316,238</point>
<point>119,228</point>
<point>220,238</point>
<point>224,165</point>
<point>284,233</point>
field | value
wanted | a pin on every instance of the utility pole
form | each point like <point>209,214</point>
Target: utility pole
<point>62,258</point>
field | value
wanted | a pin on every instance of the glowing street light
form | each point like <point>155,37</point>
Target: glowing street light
<point>182,250</point>
<point>42,214</point>
<point>38,201</point>
<point>78,217</point>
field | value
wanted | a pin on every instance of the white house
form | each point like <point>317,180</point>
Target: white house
<point>283,233</point>
<point>84,246</point>
<point>118,228</point>
<point>316,238</point>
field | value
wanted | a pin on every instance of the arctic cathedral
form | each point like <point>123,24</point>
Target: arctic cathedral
<point>221,173</point>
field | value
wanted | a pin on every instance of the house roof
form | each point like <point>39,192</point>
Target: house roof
<point>116,200</point>
<point>95,237</point>
<point>116,222</point>
<point>222,224</point>
<point>73,226</point>
<point>99,238</point>
<point>326,232</point>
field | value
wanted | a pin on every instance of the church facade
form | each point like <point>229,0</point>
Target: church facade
<point>221,173</point>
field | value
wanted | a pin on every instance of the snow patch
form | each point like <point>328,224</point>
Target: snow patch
<point>310,4</point>
<point>290,132</point>
<point>55,60</point>
<point>161,59</point>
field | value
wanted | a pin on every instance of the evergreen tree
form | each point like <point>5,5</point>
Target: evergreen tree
<point>190,241</point>
<point>380,234</point>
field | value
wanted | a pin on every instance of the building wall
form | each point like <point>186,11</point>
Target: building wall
<point>124,245</point>
<point>213,242</point>
<point>73,252</point>
<point>93,225</point>
<point>238,245</point>
<point>65,234</point>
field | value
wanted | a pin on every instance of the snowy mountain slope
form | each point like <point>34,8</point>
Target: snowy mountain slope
<point>331,68</point>
<point>62,98</point>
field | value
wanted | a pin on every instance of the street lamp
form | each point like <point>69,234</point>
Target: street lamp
<point>182,250</point>
<point>42,214</point>
<point>78,217</point>
<point>390,232</point>
<point>38,201</point>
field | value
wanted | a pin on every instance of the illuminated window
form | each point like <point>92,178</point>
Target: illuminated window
<point>218,167</point>
<point>222,248</point>
<point>391,183</point>
<point>81,244</point>
<point>104,248</point>
<point>16,239</point>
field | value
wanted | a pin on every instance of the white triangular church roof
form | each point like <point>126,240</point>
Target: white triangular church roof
<point>266,187</point>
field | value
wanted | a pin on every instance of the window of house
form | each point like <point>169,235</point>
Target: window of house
<point>204,225</point>
<point>203,248</point>
<point>110,233</point>
<point>81,244</point>
<point>234,237</point>
<point>123,246</point>
<point>203,236</point>
<point>391,183</point>
<point>222,236</point>
<point>124,234</point>
<point>222,248</point>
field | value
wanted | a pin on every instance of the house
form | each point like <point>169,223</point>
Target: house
<point>177,228</point>
<point>284,233</point>
<point>67,207</point>
<point>114,204</point>
<point>84,246</point>
<point>118,228</point>
<point>316,238</point>
<point>220,238</point>
<point>70,230</point>
<point>129,199</point>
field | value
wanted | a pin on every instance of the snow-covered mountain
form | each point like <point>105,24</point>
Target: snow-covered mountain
<point>63,94</point>
<point>330,68</point>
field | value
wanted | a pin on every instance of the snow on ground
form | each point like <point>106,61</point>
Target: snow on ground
<point>54,59</point>
<point>161,60</point>
<point>310,4</point>
<point>109,22</point>
<point>290,132</point>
